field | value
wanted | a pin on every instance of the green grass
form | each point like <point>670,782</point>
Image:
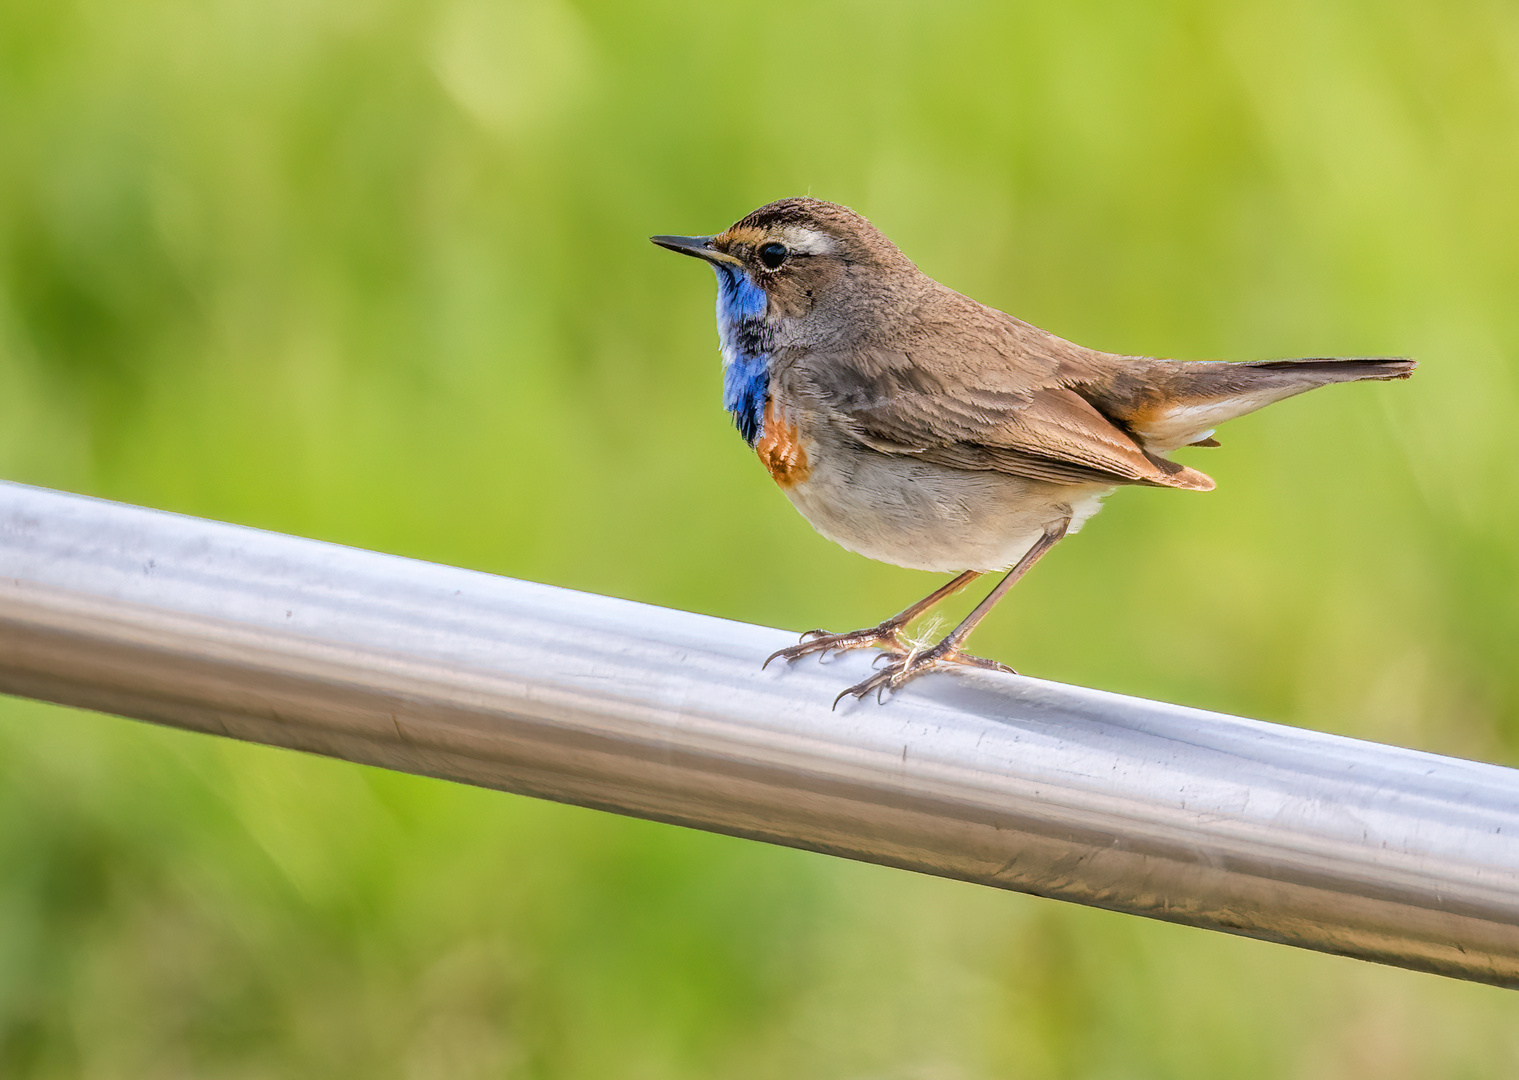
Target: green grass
<point>375,271</point>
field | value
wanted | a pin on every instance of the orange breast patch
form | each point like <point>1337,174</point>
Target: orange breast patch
<point>781,451</point>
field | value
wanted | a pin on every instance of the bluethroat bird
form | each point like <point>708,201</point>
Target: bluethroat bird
<point>914,425</point>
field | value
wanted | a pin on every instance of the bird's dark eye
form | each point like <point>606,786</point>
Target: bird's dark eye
<point>772,255</point>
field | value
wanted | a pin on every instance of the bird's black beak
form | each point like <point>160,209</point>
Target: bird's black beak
<point>697,246</point>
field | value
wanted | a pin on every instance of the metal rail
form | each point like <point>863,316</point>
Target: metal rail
<point>1293,836</point>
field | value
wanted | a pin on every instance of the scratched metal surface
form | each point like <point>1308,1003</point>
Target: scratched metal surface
<point>1293,836</point>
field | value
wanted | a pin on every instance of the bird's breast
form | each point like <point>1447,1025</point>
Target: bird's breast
<point>780,449</point>
<point>900,509</point>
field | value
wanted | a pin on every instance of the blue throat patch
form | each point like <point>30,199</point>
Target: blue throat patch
<point>745,341</point>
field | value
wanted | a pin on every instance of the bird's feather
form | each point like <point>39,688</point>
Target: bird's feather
<point>1007,404</point>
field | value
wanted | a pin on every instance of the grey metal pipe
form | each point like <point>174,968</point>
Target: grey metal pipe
<point>1293,836</point>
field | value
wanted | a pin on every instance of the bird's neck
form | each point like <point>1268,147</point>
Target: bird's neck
<point>746,339</point>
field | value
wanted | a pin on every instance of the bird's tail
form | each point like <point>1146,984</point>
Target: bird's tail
<point>1319,370</point>
<point>1191,398</point>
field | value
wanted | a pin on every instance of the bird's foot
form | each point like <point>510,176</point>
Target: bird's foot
<point>913,663</point>
<point>887,637</point>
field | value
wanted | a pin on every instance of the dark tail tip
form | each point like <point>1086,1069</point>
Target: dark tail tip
<point>1397,367</point>
<point>1345,368</point>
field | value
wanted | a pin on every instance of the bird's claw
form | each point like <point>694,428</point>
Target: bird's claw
<point>884,637</point>
<point>910,665</point>
<point>967,660</point>
<point>904,662</point>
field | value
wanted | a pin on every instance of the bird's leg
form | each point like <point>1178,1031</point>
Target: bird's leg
<point>915,662</point>
<point>888,635</point>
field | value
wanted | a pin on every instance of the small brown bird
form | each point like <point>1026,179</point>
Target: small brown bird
<point>914,425</point>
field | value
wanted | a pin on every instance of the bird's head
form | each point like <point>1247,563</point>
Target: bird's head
<point>801,261</point>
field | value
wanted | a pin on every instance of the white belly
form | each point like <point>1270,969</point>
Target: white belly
<point>913,513</point>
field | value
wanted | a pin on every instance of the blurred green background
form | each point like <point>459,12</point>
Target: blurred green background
<point>375,271</point>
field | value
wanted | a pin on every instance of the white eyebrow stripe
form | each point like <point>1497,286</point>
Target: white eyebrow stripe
<point>808,241</point>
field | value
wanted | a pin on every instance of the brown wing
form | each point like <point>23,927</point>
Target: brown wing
<point>1005,406</point>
